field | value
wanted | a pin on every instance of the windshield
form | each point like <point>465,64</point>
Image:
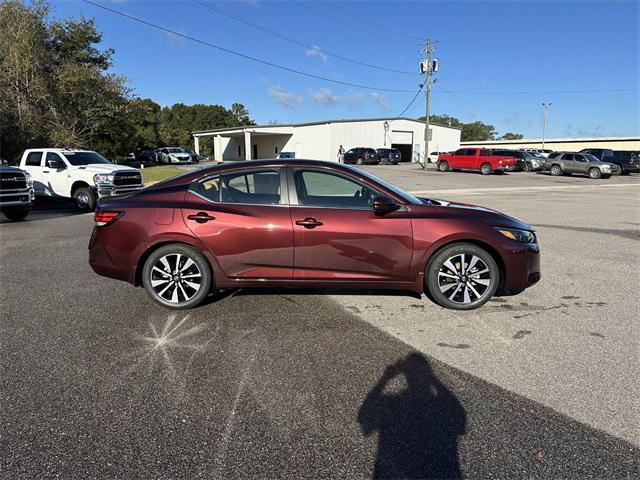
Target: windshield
<point>591,158</point>
<point>85,158</point>
<point>389,186</point>
<point>175,150</point>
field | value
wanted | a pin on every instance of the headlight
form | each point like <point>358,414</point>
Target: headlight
<point>29,179</point>
<point>103,178</point>
<point>606,167</point>
<point>523,236</point>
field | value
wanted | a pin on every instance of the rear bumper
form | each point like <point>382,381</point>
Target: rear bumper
<point>101,259</point>
<point>506,168</point>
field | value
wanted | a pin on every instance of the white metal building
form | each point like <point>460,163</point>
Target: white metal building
<point>321,140</point>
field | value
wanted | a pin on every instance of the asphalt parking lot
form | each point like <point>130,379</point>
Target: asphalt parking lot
<point>99,381</point>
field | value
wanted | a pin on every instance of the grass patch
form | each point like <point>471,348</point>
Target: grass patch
<point>156,174</point>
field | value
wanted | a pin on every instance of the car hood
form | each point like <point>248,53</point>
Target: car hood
<point>6,169</point>
<point>466,211</point>
<point>104,168</point>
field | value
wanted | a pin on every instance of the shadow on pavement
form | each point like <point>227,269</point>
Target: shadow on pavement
<point>47,208</point>
<point>418,426</point>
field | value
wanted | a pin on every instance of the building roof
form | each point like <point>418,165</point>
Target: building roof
<point>552,140</point>
<point>343,120</point>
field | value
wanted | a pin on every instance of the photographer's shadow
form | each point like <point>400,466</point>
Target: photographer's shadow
<point>418,427</point>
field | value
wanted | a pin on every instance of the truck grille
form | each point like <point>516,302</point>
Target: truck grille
<point>12,181</point>
<point>121,179</point>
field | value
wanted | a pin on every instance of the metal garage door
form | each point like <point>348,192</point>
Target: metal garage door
<point>401,137</point>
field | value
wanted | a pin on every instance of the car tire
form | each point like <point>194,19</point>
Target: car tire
<point>595,173</point>
<point>449,282</point>
<point>359,161</point>
<point>625,173</point>
<point>85,199</point>
<point>528,167</point>
<point>16,215</point>
<point>485,169</point>
<point>443,166</point>
<point>555,170</point>
<point>171,274</point>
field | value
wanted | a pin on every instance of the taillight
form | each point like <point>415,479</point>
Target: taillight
<point>105,217</point>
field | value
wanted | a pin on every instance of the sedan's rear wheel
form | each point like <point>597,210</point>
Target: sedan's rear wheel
<point>443,166</point>
<point>462,276</point>
<point>177,276</point>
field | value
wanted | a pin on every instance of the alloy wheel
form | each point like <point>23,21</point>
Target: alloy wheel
<point>464,278</point>
<point>175,278</point>
<point>595,173</point>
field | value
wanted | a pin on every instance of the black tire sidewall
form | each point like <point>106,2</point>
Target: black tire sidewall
<point>555,168</point>
<point>16,215</point>
<point>528,167</point>
<point>598,175</point>
<point>197,257</point>
<point>443,166</point>
<point>92,199</point>
<point>485,171</point>
<point>436,261</point>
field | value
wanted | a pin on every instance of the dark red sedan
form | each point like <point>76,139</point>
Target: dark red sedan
<point>304,223</point>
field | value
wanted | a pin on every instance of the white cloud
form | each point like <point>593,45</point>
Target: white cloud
<point>380,99</point>
<point>588,131</point>
<point>325,97</point>
<point>316,51</point>
<point>289,100</point>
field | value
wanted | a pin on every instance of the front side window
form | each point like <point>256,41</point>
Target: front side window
<point>33,159</point>
<point>329,190</point>
<point>85,158</point>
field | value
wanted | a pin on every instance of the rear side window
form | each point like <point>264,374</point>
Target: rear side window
<point>567,156</point>
<point>33,159</point>
<point>554,155</point>
<point>485,153</point>
<point>257,188</point>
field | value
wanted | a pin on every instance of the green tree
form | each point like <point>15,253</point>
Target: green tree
<point>511,136</point>
<point>477,131</point>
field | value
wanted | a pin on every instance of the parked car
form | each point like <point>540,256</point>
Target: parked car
<point>433,156</point>
<point>625,160</point>
<point>566,163</point>
<point>361,156</point>
<point>83,175</point>
<point>16,193</point>
<point>540,151</point>
<point>172,155</point>
<point>388,156</point>
<point>3,162</point>
<point>481,159</point>
<point>525,161</point>
<point>143,156</point>
<point>305,223</point>
<point>195,158</point>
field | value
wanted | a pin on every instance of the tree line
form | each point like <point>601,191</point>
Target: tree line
<point>474,131</point>
<point>56,89</point>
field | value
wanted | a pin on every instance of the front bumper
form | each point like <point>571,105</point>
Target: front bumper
<point>17,198</point>
<point>112,190</point>
<point>177,160</point>
<point>522,268</point>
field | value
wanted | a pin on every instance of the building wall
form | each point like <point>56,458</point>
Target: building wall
<point>568,144</point>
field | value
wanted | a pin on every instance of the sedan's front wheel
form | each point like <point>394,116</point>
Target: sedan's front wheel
<point>462,276</point>
<point>177,276</point>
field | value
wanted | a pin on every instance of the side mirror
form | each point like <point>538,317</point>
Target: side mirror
<point>57,164</point>
<point>383,205</point>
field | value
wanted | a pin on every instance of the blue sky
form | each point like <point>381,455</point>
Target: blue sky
<point>506,46</point>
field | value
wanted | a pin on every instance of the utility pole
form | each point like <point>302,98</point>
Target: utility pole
<point>544,128</point>
<point>427,68</point>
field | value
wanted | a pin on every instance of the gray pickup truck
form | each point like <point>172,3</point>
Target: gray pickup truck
<point>566,163</point>
<point>16,193</point>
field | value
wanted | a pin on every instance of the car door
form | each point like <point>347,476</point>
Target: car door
<point>350,156</point>
<point>243,218</point>
<point>581,164</point>
<point>33,164</point>
<point>458,159</point>
<point>337,236</point>
<point>56,178</point>
<point>568,163</point>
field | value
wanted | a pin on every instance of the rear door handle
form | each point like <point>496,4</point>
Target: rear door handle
<point>201,217</point>
<point>309,222</point>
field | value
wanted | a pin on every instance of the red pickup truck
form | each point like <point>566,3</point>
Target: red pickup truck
<point>481,159</point>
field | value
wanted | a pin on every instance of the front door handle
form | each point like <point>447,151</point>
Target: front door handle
<point>309,222</point>
<point>201,217</point>
<point>45,171</point>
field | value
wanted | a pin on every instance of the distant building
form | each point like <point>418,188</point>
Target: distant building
<point>321,140</point>
<point>563,144</point>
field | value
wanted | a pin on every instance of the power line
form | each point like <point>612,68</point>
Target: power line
<point>294,41</point>
<point>543,92</point>
<point>350,25</point>
<point>410,103</point>
<point>245,56</point>
<point>358,17</point>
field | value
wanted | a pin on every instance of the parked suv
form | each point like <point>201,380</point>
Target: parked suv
<point>361,155</point>
<point>83,175</point>
<point>624,159</point>
<point>389,156</point>
<point>525,161</point>
<point>16,193</point>
<point>566,163</point>
<point>173,155</point>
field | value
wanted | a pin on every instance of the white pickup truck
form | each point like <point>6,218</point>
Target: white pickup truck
<point>82,175</point>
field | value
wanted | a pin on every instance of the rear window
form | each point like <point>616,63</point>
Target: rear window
<point>33,159</point>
